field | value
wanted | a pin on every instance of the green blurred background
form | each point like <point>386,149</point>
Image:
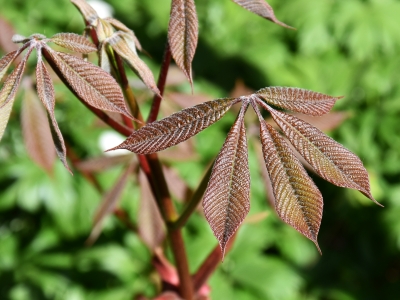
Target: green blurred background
<point>348,48</point>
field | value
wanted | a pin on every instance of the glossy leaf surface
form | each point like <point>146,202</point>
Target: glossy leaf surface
<point>329,159</point>
<point>89,82</point>
<point>183,34</point>
<point>176,128</point>
<point>298,201</point>
<point>227,198</point>
<point>298,100</point>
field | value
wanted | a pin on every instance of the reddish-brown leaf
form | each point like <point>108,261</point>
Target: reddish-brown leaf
<point>89,82</point>
<point>8,92</point>
<point>183,34</point>
<point>74,42</point>
<point>125,48</point>
<point>329,159</point>
<point>226,200</point>
<point>261,8</point>
<point>88,13</point>
<point>176,128</point>
<point>108,204</point>
<point>298,201</point>
<point>45,90</point>
<point>150,223</point>
<point>6,61</point>
<point>36,131</point>
<point>298,100</point>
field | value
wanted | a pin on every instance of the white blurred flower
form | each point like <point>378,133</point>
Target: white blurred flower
<point>110,139</point>
<point>102,8</point>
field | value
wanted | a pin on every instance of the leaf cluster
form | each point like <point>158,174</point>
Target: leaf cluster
<point>227,197</point>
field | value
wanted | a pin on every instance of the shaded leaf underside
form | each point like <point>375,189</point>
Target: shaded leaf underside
<point>227,198</point>
<point>46,94</point>
<point>36,131</point>
<point>183,34</point>
<point>126,49</point>
<point>176,128</point>
<point>74,42</point>
<point>8,92</point>
<point>298,100</point>
<point>298,201</point>
<point>329,159</point>
<point>6,61</point>
<point>121,26</point>
<point>88,13</point>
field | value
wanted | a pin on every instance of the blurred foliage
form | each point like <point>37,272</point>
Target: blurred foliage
<point>340,47</point>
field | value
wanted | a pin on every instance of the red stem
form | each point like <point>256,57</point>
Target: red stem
<point>160,84</point>
<point>210,265</point>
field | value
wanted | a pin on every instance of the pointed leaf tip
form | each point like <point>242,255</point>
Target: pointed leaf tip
<point>176,128</point>
<point>45,90</point>
<point>226,201</point>
<point>318,248</point>
<point>329,159</point>
<point>298,100</point>
<point>263,9</point>
<point>298,201</point>
<point>183,34</point>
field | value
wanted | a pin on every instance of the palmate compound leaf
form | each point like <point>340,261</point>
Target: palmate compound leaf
<point>261,8</point>
<point>90,83</point>
<point>36,130</point>
<point>298,100</point>
<point>328,158</point>
<point>226,200</point>
<point>74,42</point>
<point>46,93</point>
<point>183,34</point>
<point>176,128</point>
<point>125,47</point>
<point>298,201</point>
<point>8,92</point>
